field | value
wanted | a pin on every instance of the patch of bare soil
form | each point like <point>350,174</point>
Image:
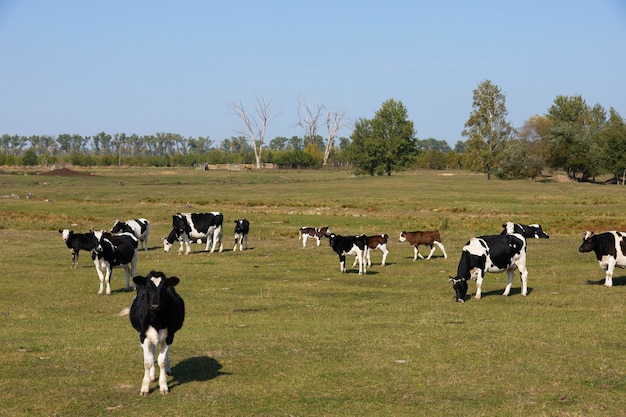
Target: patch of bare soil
<point>63,172</point>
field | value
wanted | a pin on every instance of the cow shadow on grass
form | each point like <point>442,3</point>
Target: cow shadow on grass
<point>617,281</point>
<point>196,369</point>
<point>498,292</point>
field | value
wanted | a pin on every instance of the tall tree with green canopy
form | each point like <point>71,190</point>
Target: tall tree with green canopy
<point>385,143</point>
<point>573,143</point>
<point>487,129</point>
<point>612,140</point>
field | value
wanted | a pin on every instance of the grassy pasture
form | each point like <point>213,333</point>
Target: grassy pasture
<point>278,331</point>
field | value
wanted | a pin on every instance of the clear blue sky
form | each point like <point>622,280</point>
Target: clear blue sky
<point>76,66</point>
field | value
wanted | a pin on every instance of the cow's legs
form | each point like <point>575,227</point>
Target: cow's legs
<point>416,253</point>
<point>108,273</point>
<point>366,257</point>
<point>164,368</point>
<point>148,366</point>
<point>318,240</point>
<point>100,277</point>
<point>74,258</point>
<point>510,275</point>
<point>445,255</point>
<point>432,250</point>
<point>359,257</point>
<point>608,277</point>
<point>342,263</point>
<point>304,238</point>
<point>479,284</point>
<point>385,252</point>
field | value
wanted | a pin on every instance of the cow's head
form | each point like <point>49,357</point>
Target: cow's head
<point>331,239</point>
<point>66,233</point>
<point>155,285</point>
<point>168,241</point>
<point>460,287</point>
<point>402,237</point>
<point>589,243</point>
<point>240,226</point>
<point>537,230</point>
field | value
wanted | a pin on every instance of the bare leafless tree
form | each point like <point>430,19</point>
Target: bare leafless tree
<point>309,118</point>
<point>255,125</point>
<point>334,122</point>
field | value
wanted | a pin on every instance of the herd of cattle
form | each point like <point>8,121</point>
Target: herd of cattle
<point>157,311</point>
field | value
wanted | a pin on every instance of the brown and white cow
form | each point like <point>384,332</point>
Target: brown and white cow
<point>610,250</point>
<point>375,242</point>
<point>316,233</point>
<point>430,238</point>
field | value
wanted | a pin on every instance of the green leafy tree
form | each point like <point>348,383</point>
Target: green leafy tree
<point>385,143</point>
<point>30,158</point>
<point>612,142</point>
<point>520,160</point>
<point>487,129</point>
<point>573,141</point>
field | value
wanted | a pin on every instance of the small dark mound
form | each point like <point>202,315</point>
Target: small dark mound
<point>63,172</point>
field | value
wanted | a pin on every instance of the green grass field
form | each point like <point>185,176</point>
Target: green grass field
<point>278,331</point>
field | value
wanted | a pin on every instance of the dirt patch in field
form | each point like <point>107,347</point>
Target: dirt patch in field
<point>63,172</point>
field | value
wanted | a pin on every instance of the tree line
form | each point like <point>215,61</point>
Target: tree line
<point>583,140</point>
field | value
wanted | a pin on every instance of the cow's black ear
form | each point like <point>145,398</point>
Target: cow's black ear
<point>172,281</point>
<point>139,280</point>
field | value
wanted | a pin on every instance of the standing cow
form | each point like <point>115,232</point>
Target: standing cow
<point>193,226</point>
<point>375,242</point>
<point>110,251</point>
<point>316,233</point>
<point>242,227</point>
<point>139,227</point>
<point>76,242</point>
<point>526,230</point>
<point>483,254</point>
<point>349,245</point>
<point>610,250</point>
<point>157,313</point>
<point>429,238</point>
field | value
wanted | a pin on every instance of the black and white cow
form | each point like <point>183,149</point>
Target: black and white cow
<point>610,250</point>
<point>483,254</point>
<point>139,227</point>
<point>316,233</point>
<point>157,313</point>
<point>375,242</point>
<point>349,245</point>
<point>187,227</point>
<point>114,250</point>
<point>526,230</point>
<point>76,242</point>
<point>242,228</point>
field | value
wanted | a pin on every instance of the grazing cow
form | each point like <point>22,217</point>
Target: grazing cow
<point>114,250</point>
<point>430,238</point>
<point>526,230</point>
<point>610,250</point>
<point>193,226</point>
<point>349,245</point>
<point>76,242</point>
<point>242,227</point>
<point>496,253</point>
<point>375,242</point>
<point>139,227</point>
<point>316,233</point>
<point>157,313</point>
